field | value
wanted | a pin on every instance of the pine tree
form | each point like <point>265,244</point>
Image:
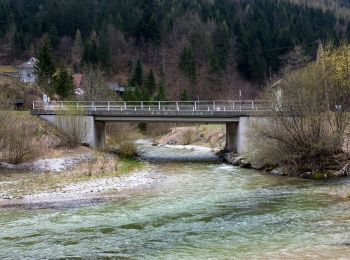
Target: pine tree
<point>150,83</point>
<point>221,47</point>
<point>137,77</point>
<point>183,95</point>
<point>62,82</point>
<point>161,93</point>
<point>78,48</point>
<point>104,51</point>
<point>161,96</point>
<point>44,68</point>
<point>187,64</point>
<point>90,55</point>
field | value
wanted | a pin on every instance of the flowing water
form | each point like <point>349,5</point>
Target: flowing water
<point>197,211</point>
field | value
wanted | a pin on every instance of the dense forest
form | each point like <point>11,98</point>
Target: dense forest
<point>194,48</point>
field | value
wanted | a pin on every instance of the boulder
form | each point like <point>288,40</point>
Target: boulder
<point>258,166</point>
<point>172,142</point>
<point>314,175</point>
<point>244,163</point>
<point>279,172</point>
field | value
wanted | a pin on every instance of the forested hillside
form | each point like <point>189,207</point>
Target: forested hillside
<point>205,48</point>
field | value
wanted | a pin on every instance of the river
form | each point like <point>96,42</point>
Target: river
<point>197,211</point>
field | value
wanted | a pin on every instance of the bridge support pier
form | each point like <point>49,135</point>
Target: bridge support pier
<point>231,137</point>
<point>99,134</point>
<point>236,136</point>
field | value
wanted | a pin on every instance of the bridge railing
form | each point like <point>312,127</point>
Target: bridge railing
<point>221,105</point>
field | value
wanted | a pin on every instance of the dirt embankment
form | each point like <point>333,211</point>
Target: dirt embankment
<point>213,136</point>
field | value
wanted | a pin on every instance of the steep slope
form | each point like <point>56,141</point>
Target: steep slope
<point>210,48</point>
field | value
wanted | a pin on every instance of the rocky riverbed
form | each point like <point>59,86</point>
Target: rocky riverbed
<point>280,170</point>
<point>50,165</point>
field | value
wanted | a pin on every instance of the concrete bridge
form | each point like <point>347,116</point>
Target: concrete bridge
<point>235,114</point>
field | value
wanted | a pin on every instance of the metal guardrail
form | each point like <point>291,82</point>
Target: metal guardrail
<point>234,105</point>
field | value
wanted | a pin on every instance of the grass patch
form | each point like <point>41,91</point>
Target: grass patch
<point>127,164</point>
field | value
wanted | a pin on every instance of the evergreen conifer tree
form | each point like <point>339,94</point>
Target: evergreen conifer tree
<point>150,83</point>
<point>183,95</point>
<point>90,55</point>
<point>44,68</point>
<point>137,77</point>
<point>187,64</point>
<point>62,82</point>
<point>78,48</point>
<point>161,96</point>
<point>104,49</point>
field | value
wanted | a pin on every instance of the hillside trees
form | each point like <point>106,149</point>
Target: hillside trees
<point>250,36</point>
<point>187,64</point>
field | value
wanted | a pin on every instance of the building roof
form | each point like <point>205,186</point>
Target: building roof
<point>77,78</point>
<point>116,87</point>
<point>29,63</point>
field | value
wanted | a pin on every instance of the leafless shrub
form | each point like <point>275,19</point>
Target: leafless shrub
<point>311,114</point>
<point>127,149</point>
<point>18,139</point>
<point>73,126</point>
<point>157,129</point>
<point>188,137</point>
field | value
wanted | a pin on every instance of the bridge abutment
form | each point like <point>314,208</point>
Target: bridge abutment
<point>95,130</point>
<point>236,135</point>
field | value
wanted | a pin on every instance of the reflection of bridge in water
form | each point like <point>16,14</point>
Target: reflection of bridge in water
<point>234,114</point>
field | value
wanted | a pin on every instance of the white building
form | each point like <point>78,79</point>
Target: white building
<point>26,71</point>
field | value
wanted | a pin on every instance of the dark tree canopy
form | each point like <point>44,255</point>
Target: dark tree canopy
<point>250,35</point>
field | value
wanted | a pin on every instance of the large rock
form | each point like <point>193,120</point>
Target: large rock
<point>258,166</point>
<point>244,163</point>
<point>279,172</point>
<point>314,175</point>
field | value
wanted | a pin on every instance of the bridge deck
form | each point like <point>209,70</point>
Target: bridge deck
<point>158,111</point>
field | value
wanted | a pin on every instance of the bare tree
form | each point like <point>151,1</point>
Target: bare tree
<point>311,114</point>
<point>73,126</point>
<point>95,85</point>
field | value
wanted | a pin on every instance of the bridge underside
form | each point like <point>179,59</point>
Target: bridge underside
<point>160,119</point>
<point>96,127</point>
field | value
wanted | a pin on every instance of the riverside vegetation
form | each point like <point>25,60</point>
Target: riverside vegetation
<point>308,131</point>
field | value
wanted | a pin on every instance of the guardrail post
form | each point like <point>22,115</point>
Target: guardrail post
<point>195,105</point>
<point>62,105</point>
<point>177,106</point>
<point>141,105</point>
<point>159,105</point>
<point>33,105</point>
<point>108,105</point>
<point>252,105</point>
<point>214,106</point>
<point>233,105</point>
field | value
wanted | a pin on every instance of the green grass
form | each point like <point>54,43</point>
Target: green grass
<point>126,165</point>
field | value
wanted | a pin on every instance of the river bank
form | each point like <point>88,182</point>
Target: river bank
<point>196,211</point>
<point>70,175</point>
<point>340,168</point>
